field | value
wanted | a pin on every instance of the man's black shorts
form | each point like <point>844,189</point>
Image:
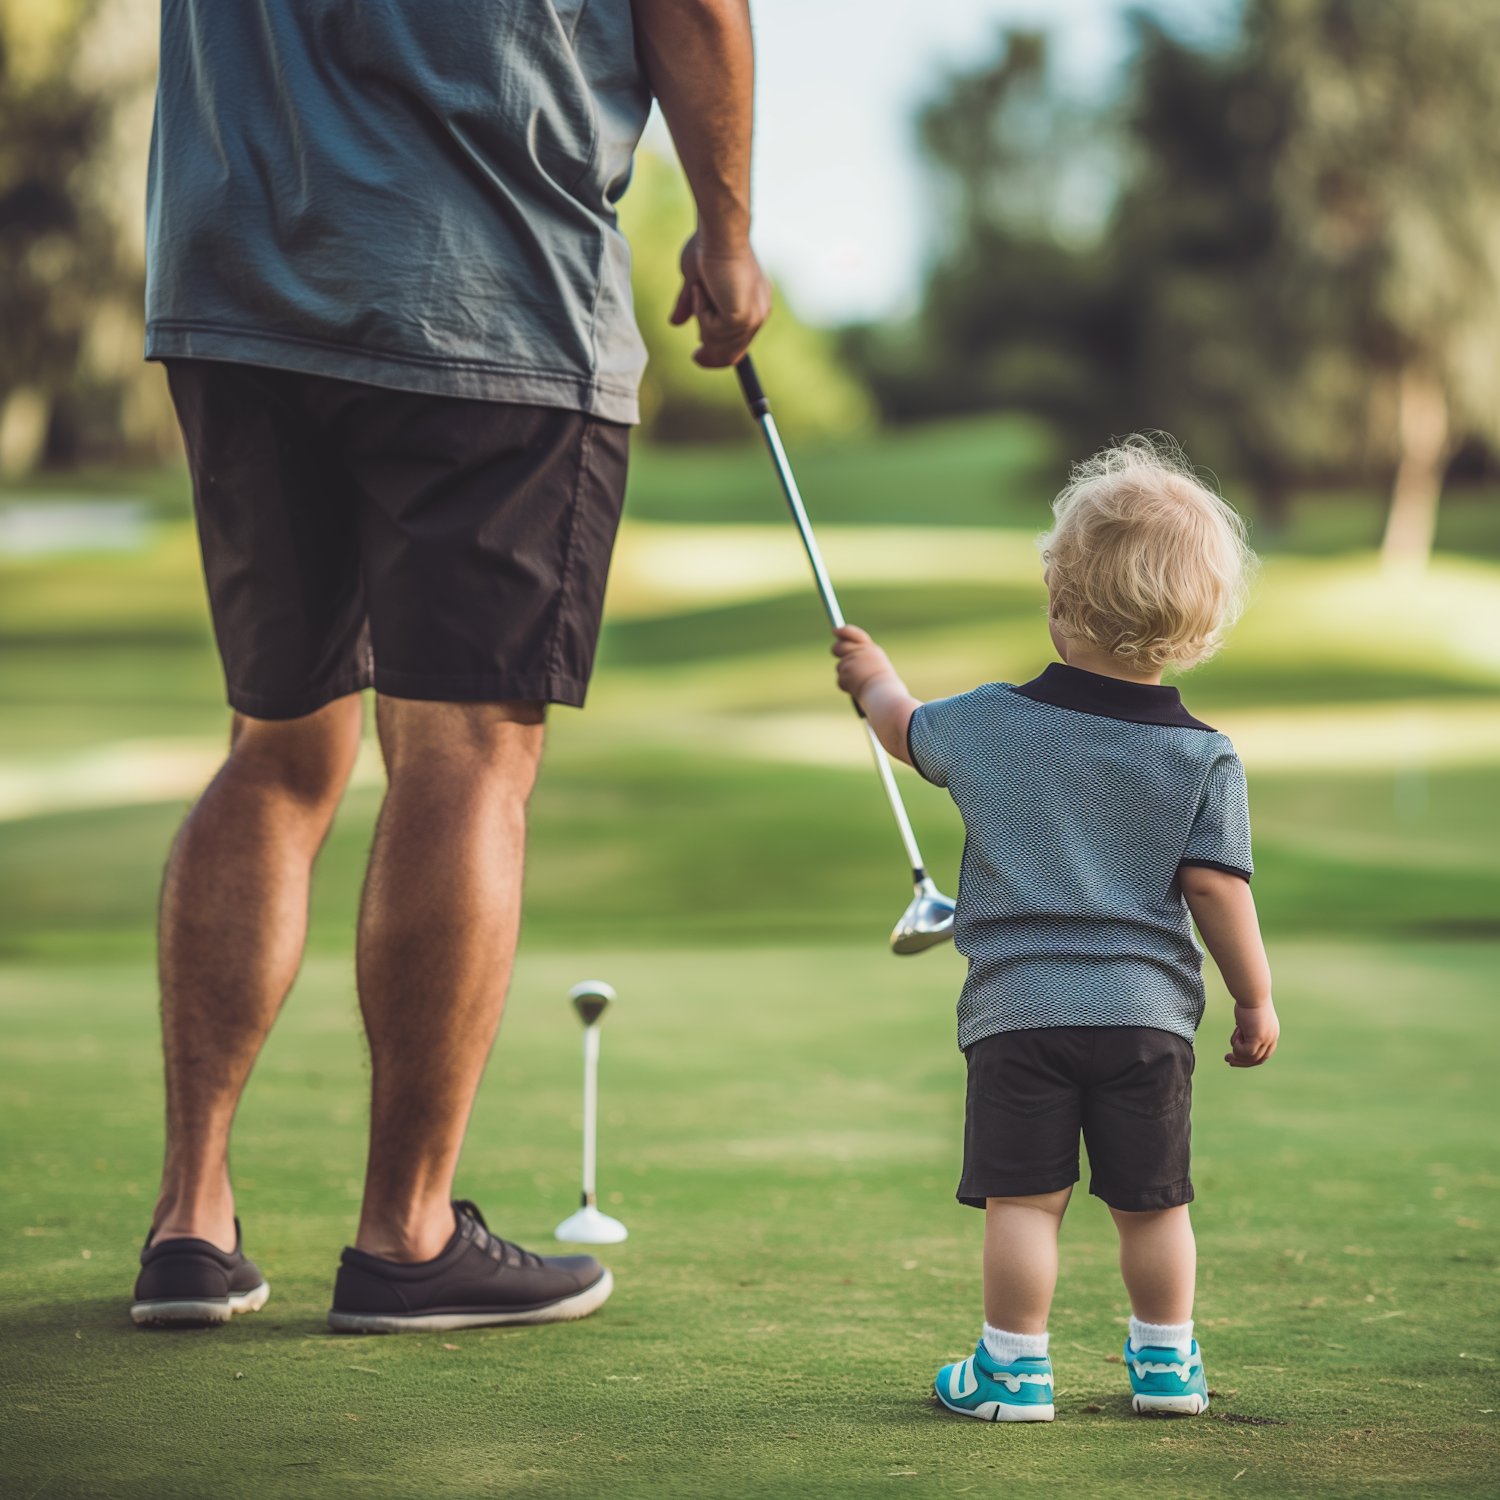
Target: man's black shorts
<point>428,546</point>
<point>1128,1089</point>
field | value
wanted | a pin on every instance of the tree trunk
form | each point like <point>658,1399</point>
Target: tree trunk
<point>23,430</point>
<point>1425,450</point>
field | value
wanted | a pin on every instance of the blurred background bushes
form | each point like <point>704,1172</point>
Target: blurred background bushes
<point>816,396</point>
<point>1286,252</point>
<point>1298,276</point>
<point>77,79</point>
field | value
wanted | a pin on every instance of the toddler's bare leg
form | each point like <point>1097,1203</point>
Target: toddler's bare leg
<point>1020,1260</point>
<point>1159,1263</point>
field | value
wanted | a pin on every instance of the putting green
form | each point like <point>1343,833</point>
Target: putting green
<point>781,1126</point>
<point>781,1134</point>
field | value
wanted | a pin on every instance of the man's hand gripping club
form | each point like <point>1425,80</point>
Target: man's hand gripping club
<point>700,58</point>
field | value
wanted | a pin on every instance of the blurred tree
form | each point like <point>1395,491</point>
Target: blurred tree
<point>1185,309</point>
<point>1021,309</point>
<point>680,403</point>
<point>1299,274</point>
<point>76,80</point>
<point>1240,342</point>
<point>1390,175</point>
<point>51,257</point>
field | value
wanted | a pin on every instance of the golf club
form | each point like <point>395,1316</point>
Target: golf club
<point>588,1226</point>
<point>929,919</point>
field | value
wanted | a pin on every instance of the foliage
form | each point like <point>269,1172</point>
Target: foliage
<point>1391,175</point>
<point>1013,316</point>
<point>1188,313</point>
<point>54,256</point>
<point>75,84</point>
<point>813,395</point>
<point>1304,218</point>
<point>1390,180</point>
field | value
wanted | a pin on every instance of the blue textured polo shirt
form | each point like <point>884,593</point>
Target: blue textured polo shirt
<point>1082,797</point>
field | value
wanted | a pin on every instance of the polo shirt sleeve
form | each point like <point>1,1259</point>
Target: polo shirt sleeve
<point>934,738</point>
<point>1220,835</point>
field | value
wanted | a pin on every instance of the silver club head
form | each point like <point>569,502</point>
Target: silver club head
<point>924,924</point>
<point>592,998</point>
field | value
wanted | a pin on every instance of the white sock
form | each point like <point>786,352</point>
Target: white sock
<point>1161,1335</point>
<point>1005,1348</point>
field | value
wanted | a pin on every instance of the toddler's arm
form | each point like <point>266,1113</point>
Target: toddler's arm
<point>866,674</point>
<point>1224,910</point>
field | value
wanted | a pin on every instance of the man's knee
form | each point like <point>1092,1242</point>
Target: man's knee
<point>308,759</point>
<point>469,741</point>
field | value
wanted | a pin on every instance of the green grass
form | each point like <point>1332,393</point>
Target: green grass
<point>59,695</point>
<point>795,620</point>
<point>782,1137</point>
<point>1327,524</point>
<point>677,851</point>
<point>979,471</point>
<point>1000,470</point>
<point>640,840</point>
<point>783,1100</point>
<point>973,471</point>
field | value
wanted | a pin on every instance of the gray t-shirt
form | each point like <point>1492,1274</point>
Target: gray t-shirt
<point>1082,796</point>
<point>409,193</point>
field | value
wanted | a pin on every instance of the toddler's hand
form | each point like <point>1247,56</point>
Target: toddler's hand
<point>1256,1030</point>
<point>860,659</point>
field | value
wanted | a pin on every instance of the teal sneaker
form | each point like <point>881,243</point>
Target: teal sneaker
<point>978,1387</point>
<point>1164,1381</point>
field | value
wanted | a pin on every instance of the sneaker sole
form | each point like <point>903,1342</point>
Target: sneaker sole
<point>579,1305</point>
<point>1188,1406</point>
<point>998,1411</point>
<point>167,1310</point>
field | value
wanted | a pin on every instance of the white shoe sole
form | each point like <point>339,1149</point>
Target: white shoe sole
<point>579,1305</point>
<point>999,1411</point>
<point>206,1310</point>
<point>1188,1406</point>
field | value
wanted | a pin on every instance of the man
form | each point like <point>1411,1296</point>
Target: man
<point>387,283</point>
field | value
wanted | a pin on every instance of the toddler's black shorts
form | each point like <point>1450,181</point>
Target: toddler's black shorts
<point>1127,1089</point>
<point>432,547</point>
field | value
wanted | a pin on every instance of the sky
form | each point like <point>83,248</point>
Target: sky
<point>842,206</point>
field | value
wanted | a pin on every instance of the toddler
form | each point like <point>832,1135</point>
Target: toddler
<point>1102,820</point>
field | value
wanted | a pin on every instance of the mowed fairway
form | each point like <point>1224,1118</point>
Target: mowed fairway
<point>782,1100</point>
<point>782,1137</point>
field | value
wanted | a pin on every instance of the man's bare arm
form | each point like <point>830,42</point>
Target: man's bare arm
<point>700,59</point>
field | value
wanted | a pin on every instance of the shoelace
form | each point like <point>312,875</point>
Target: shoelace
<point>505,1251</point>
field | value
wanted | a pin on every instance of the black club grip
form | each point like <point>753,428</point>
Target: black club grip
<point>755,398</point>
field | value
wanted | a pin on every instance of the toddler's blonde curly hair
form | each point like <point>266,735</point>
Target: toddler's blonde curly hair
<point>1144,561</point>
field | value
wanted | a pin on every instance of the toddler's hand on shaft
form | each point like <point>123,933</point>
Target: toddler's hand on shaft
<point>866,674</point>
<point>860,659</point>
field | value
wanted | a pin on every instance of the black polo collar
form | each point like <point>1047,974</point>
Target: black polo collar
<point>1110,697</point>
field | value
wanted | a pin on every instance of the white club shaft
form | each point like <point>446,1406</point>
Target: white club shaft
<point>804,526</point>
<point>893,795</point>
<point>590,1111</point>
<point>836,620</point>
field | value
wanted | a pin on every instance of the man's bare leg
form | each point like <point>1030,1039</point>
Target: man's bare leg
<point>233,924</point>
<point>437,936</point>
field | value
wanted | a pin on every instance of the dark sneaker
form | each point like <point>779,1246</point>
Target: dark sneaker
<point>193,1281</point>
<point>478,1280</point>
